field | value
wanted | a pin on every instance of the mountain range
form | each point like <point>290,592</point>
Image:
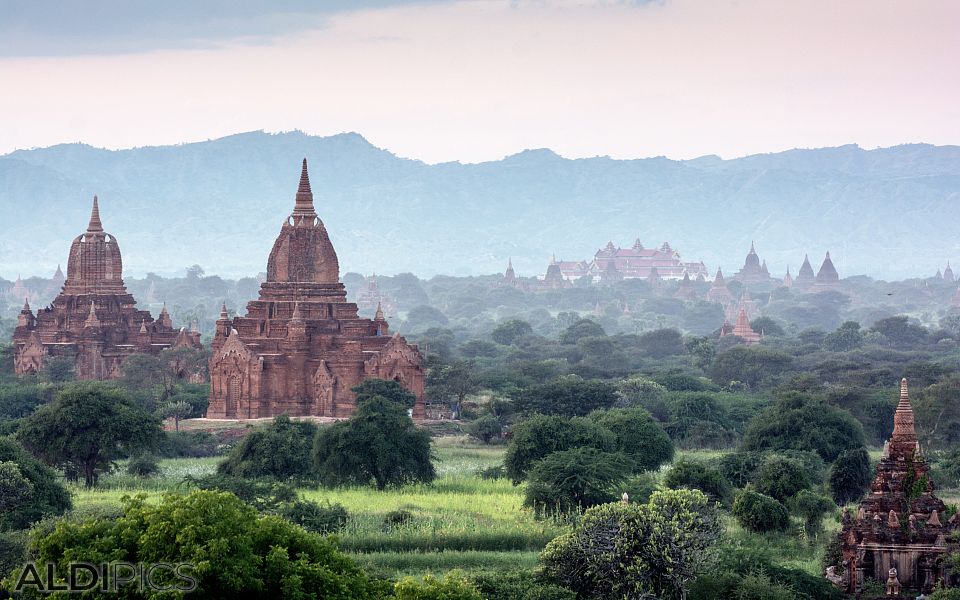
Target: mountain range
<point>889,212</point>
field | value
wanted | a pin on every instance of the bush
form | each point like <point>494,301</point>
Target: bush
<point>850,476</point>
<point>188,444</point>
<point>225,536</point>
<point>694,475</point>
<point>453,586</point>
<point>636,550</point>
<point>485,428</point>
<point>639,488</point>
<point>781,478</point>
<point>281,450</point>
<point>540,435</point>
<point>397,517</point>
<point>47,495</point>
<point>638,436</point>
<point>518,585</point>
<point>569,396</point>
<point>145,466</point>
<point>760,513</point>
<point>575,479</point>
<point>812,507</point>
<point>802,422</point>
<point>265,495</point>
<point>313,516</point>
<point>379,443</point>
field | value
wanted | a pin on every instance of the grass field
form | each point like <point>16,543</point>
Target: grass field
<point>461,521</point>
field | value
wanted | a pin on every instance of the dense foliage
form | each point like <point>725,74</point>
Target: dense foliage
<point>282,450</point>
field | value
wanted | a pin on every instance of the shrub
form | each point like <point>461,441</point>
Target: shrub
<point>690,474</point>
<point>781,478</point>
<point>575,479</point>
<point>265,495</point>
<point>47,495</point>
<point>485,428</point>
<point>850,475</point>
<point>638,436</point>
<point>279,451</point>
<point>812,507</point>
<point>187,444</point>
<point>802,422</point>
<point>145,466</point>
<point>518,585</point>
<point>224,537</point>
<point>570,396</point>
<point>540,435</point>
<point>639,488</point>
<point>397,517</point>
<point>379,443</point>
<point>636,550</point>
<point>313,516</point>
<point>453,586</point>
<point>760,513</point>
<point>760,587</point>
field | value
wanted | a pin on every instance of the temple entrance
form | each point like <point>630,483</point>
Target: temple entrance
<point>233,396</point>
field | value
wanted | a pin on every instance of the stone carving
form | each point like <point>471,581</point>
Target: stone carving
<point>893,584</point>
<point>833,578</point>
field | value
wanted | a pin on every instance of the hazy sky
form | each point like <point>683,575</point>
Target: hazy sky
<point>477,80</point>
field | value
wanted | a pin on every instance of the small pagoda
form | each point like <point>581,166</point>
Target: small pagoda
<point>900,534</point>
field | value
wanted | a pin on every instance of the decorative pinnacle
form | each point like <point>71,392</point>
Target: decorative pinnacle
<point>379,316</point>
<point>92,320</point>
<point>223,312</point>
<point>903,429</point>
<point>95,225</point>
<point>26,304</point>
<point>752,249</point>
<point>296,312</point>
<point>304,204</point>
<point>143,326</point>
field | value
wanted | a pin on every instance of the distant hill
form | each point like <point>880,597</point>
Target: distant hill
<point>891,212</point>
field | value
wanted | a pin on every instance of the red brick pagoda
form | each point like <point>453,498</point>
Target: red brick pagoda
<point>301,346</point>
<point>93,320</point>
<point>900,531</point>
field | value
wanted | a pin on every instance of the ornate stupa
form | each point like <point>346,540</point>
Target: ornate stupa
<point>301,347</point>
<point>901,525</point>
<point>93,320</point>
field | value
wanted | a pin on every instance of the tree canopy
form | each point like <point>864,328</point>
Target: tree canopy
<point>281,450</point>
<point>540,435</point>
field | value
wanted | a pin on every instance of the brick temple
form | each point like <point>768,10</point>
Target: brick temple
<point>93,320</point>
<point>301,346</point>
<point>901,524</point>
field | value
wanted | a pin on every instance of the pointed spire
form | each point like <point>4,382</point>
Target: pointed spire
<point>304,204</point>
<point>753,249</point>
<point>95,225</point>
<point>296,312</point>
<point>903,429</point>
<point>224,315</point>
<point>510,262</point>
<point>92,320</point>
<point>379,316</point>
<point>143,326</point>
<point>26,304</point>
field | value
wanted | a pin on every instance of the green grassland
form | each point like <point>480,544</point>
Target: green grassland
<point>461,521</point>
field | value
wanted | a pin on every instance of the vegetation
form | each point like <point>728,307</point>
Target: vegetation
<point>379,443</point>
<point>87,428</point>
<point>575,479</point>
<point>281,450</point>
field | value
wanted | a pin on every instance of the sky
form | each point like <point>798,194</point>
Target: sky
<point>476,80</point>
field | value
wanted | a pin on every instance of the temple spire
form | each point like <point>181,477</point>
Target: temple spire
<point>903,429</point>
<point>379,316</point>
<point>304,204</point>
<point>95,225</point>
<point>92,320</point>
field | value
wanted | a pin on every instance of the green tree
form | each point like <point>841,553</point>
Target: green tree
<point>581,329</point>
<point>648,550</point>
<point>900,331</point>
<point>46,496</point>
<point>646,393</point>
<point>541,435</point>
<point>379,443</point>
<point>485,428</point>
<point>454,586</point>
<point>661,343</point>
<point>748,365</point>
<point>575,479</point>
<point>781,477</point>
<point>845,338</point>
<point>767,326</point>
<point>568,396</point>
<point>639,437</point>
<point>850,475</point>
<point>281,450</point>
<point>696,475</point>
<point>812,507</point>
<point>384,388</point>
<point>235,552</point>
<point>176,410</point>
<point>509,332</point>
<point>148,380</point>
<point>87,428</point>
<point>759,512</point>
<point>453,383</point>
<point>58,369</point>
<point>802,422</point>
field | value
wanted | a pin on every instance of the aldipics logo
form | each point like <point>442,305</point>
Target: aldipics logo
<point>106,577</point>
